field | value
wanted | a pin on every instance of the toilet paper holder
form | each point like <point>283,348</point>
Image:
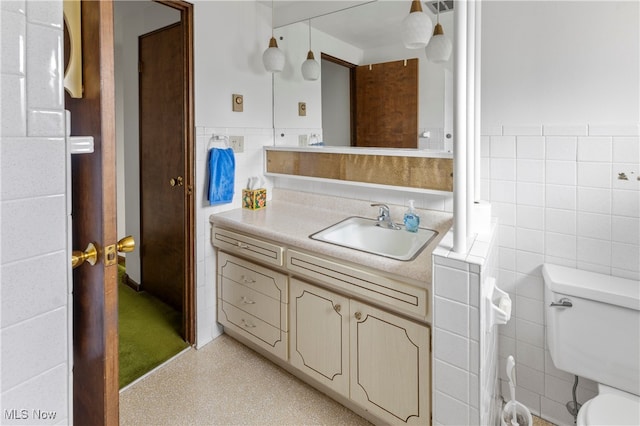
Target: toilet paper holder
<point>498,304</point>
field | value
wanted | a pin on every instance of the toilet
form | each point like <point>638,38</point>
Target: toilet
<point>593,331</point>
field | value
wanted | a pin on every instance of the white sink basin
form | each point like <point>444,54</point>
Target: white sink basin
<point>363,234</point>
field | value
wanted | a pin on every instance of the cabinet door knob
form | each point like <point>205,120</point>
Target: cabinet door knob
<point>247,324</point>
<point>358,315</point>
<point>337,307</point>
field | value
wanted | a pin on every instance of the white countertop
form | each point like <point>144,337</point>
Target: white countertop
<point>290,217</point>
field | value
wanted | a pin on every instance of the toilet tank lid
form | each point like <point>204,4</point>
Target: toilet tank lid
<point>591,285</point>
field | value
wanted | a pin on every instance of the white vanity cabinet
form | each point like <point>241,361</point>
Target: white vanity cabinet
<point>363,335</point>
<point>320,334</point>
<point>252,301</point>
<point>377,359</point>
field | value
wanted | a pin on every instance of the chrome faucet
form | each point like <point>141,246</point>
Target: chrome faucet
<point>384,217</point>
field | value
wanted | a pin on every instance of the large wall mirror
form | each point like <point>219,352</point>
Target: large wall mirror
<point>365,35</point>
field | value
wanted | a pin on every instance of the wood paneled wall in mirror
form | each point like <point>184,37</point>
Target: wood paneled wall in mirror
<point>358,36</point>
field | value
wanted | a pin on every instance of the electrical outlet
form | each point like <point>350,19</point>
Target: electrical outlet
<point>237,143</point>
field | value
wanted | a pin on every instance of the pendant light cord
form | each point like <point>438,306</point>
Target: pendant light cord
<point>309,34</point>
<point>271,18</point>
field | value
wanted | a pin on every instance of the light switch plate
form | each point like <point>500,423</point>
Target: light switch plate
<point>302,109</point>
<point>237,143</point>
<point>237,103</point>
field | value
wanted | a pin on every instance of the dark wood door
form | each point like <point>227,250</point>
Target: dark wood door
<point>386,104</point>
<point>162,165</point>
<point>95,293</point>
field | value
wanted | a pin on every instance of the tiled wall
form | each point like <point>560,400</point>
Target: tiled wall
<point>556,192</point>
<point>248,163</point>
<point>399,196</point>
<point>465,390</point>
<point>35,293</point>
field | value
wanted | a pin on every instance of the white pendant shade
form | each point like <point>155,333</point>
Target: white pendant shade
<point>439,48</point>
<point>310,68</point>
<point>273,57</point>
<point>416,28</point>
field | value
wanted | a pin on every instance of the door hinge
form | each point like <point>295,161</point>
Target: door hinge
<point>139,66</point>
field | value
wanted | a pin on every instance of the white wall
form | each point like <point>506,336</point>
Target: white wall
<point>230,37</point>
<point>35,300</point>
<point>560,111</point>
<point>336,104</point>
<point>560,62</point>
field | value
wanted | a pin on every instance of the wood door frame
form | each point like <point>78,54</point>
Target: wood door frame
<point>352,91</point>
<point>189,313</point>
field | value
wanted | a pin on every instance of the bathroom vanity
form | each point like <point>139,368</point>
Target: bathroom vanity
<point>352,324</point>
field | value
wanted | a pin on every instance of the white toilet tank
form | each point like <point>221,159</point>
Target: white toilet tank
<point>598,336</point>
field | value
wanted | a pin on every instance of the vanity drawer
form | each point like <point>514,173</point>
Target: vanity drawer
<point>257,304</point>
<point>265,335</point>
<point>258,278</point>
<point>373,286</point>
<point>247,246</point>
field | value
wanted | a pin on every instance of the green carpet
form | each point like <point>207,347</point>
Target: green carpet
<point>148,330</point>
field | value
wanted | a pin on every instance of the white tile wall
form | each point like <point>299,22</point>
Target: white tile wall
<point>570,209</point>
<point>248,163</point>
<point>35,312</point>
<point>465,355</point>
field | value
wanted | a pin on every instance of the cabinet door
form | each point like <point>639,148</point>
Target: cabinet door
<point>389,365</point>
<point>320,334</point>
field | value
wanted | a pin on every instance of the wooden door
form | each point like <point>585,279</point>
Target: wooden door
<point>162,165</point>
<point>320,334</point>
<point>386,104</point>
<point>390,364</point>
<point>95,292</point>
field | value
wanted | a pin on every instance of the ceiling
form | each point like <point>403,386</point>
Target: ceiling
<point>365,24</point>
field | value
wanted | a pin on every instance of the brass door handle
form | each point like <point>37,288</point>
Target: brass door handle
<point>126,244</point>
<point>89,255</point>
<point>178,181</point>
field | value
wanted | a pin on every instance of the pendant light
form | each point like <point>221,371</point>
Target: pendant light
<point>416,28</point>
<point>273,57</point>
<point>310,67</point>
<point>440,46</point>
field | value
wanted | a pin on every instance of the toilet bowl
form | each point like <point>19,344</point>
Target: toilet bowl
<point>593,331</point>
<point>610,407</point>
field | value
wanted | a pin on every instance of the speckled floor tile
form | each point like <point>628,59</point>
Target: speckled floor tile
<point>226,383</point>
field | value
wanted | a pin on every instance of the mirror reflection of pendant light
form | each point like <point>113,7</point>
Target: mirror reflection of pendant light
<point>416,28</point>
<point>310,67</point>
<point>273,57</point>
<point>440,46</point>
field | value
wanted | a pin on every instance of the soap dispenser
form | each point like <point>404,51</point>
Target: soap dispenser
<point>411,218</point>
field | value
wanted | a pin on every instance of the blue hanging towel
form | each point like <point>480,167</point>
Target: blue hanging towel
<point>222,169</point>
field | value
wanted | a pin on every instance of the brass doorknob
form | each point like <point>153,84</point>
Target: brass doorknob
<point>126,244</point>
<point>178,181</point>
<point>89,255</point>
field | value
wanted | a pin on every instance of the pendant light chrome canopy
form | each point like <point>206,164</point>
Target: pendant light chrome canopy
<point>439,48</point>
<point>273,57</point>
<point>416,28</point>
<point>310,67</point>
